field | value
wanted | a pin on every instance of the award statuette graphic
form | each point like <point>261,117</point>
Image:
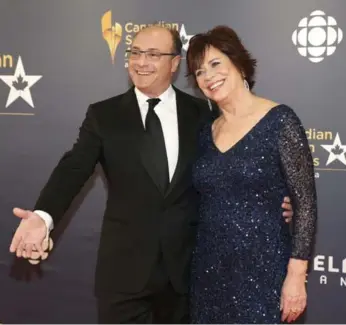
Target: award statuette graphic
<point>111,33</point>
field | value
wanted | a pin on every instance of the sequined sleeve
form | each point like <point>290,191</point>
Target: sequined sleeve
<point>297,166</point>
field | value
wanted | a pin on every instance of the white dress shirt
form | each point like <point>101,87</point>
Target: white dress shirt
<point>166,110</point>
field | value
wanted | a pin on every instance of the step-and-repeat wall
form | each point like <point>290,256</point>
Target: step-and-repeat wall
<point>55,59</point>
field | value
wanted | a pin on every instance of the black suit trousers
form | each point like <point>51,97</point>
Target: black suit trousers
<point>158,303</point>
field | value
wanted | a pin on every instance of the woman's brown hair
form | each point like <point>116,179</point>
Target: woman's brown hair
<point>226,40</point>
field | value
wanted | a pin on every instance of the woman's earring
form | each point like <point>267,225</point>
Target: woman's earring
<point>246,84</point>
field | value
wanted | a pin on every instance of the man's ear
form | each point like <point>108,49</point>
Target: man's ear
<point>175,63</point>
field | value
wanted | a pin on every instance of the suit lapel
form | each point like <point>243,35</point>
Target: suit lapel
<point>185,138</point>
<point>185,130</point>
<point>131,106</point>
<point>133,119</point>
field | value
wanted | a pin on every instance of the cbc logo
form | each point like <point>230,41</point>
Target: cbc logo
<point>317,36</point>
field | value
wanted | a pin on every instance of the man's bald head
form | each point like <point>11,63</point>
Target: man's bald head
<point>165,32</point>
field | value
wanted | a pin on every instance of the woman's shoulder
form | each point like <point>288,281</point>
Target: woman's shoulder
<point>288,115</point>
<point>282,110</point>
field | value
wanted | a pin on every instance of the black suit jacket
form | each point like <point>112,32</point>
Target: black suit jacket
<point>139,219</point>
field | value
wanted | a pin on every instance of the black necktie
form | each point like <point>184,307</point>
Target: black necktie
<point>156,144</point>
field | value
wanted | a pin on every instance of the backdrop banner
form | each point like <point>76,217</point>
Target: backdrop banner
<point>57,57</point>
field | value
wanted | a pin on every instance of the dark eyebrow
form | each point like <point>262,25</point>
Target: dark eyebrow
<point>213,60</point>
<point>210,61</point>
<point>150,49</point>
<point>153,49</point>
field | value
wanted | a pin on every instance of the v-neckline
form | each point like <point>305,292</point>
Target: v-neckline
<point>244,136</point>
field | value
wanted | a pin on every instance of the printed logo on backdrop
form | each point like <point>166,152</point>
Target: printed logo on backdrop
<point>317,36</point>
<point>19,85</point>
<point>331,270</point>
<point>328,151</point>
<point>115,33</point>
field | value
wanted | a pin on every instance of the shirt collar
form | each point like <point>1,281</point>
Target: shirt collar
<point>166,95</point>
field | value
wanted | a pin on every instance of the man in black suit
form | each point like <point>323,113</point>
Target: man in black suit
<point>145,140</point>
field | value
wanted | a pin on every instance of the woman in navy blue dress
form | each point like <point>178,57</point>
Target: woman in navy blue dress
<point>248,266</point>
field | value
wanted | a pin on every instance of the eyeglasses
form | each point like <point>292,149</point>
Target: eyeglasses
<point>151,55</point>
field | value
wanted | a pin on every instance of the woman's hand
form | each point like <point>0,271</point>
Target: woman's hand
<point>293,296</point>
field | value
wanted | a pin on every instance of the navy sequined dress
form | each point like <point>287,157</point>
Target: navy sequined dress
<point>243,243</point>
